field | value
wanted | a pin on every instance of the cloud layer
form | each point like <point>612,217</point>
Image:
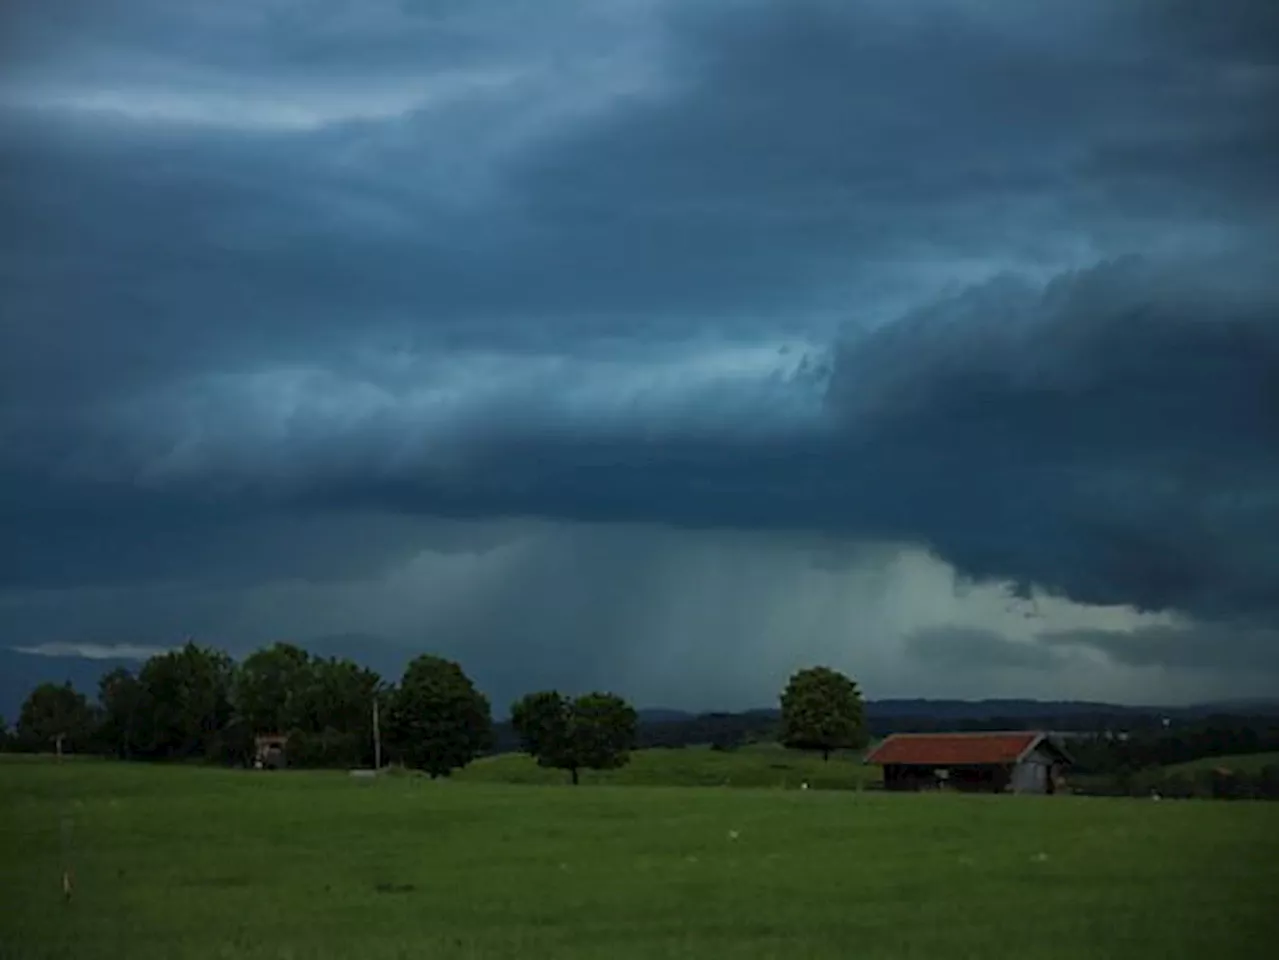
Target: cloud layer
<point>300,299</point>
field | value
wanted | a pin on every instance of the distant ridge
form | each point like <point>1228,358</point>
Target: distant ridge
<point>21,671</point>
<point>944,709</point>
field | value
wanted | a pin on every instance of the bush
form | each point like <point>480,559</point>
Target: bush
<point>1201,785</point>
<point>1266,784</point>
<point>1223,785</point>
<point>1176,788</point>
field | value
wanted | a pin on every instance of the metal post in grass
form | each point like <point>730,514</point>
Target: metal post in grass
<point>377,737</point>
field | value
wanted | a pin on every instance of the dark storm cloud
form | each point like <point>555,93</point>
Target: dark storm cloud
<point>1108,437</point>
<point>747,171</point>
<point>975,649</point>
<point>783,156</point>
<point>1111,436</point>
<point>109,536</point>
<point>1222,647</point>
<point>820,141</point>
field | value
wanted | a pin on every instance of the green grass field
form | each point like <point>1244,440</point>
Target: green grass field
<point>759,765</point>
<point>188,862</point>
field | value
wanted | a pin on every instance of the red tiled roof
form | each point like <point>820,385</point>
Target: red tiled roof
<point>943,749</point>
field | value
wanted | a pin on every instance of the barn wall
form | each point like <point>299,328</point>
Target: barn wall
<point>979,779</point>
<point>902,777</point>
<point>965,779</point>
<point>1034,773</point>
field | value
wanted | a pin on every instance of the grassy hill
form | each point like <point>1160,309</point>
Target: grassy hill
<point>759,765</point>
<point>1194,778</point>
<point>1236,763</point>
<point>182,863</point>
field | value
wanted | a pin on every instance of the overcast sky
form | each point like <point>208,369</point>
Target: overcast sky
<point>655,346</point>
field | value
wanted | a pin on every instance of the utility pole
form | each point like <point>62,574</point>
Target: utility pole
<point>377,737</point>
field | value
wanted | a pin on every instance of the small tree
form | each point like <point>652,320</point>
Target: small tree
<point>439,720</point>
<point>822,710</point>
<point>55,716</point>
<point>596,731</point>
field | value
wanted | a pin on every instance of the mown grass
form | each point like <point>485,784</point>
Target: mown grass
<point>182,863</point>
<point>758,765</point>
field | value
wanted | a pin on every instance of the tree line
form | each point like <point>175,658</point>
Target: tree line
<point>196,703</point>
<point>1213,736</point>
<point>1200,783</point>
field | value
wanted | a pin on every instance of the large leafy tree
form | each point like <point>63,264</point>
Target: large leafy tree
<point>324,705</point>
<point>822,710</point>
<point>340,696</point>
<point>439,720</point>
<point>271,689</point>
<point>596,731</point>
<point>541,721</point>
<point>55,716</point>
<point>124,712</point>
<point>188,695</point>
<point>336,726</point>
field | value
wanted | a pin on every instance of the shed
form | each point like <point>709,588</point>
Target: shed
<point>1020,762</point>
<point>268,751</point>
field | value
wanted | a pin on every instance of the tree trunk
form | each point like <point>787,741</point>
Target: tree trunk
<point>573,775</point>
<point>826,755</point>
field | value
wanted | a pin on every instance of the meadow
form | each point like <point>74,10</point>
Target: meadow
<point>756,765</point>
<point>185,862</point>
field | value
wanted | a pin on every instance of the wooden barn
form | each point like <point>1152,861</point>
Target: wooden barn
<point>1023,762</point>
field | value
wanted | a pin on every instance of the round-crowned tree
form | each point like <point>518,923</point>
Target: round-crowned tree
<point>822,710</point>
<point>440,722</point>
<point>55,714</point>
<point>596,731</point>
